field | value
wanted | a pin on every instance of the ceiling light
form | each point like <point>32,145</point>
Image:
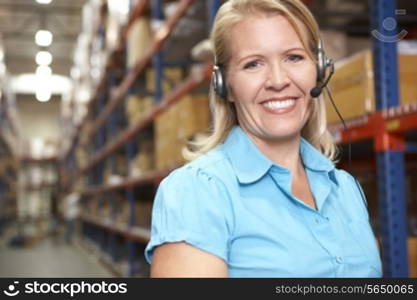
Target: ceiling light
<point>43,94</point>
<point>43,71</point>
<point>43,58</point>
<point>75,73</point>
<point>44,1</point>
<point>43,38</point>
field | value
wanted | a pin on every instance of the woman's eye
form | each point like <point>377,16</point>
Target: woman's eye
<point>251,65</point>
<point>295,57</point>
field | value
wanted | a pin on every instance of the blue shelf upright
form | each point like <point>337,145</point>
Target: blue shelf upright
<point>389,147</point>
<point>214,7</point>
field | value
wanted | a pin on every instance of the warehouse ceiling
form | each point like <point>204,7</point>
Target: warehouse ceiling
<point>21,19</point>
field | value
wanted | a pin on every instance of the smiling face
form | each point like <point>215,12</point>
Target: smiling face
<point>269,75</point>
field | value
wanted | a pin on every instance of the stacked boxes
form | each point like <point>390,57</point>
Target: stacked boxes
<point>91,208</point>
<point>352,85</point>
<point>143,210</point>
<point>143,213</point>
<point>121,165</point>
<point>122,215</point>
<point>138,40</point>
<point>81,157</point>
<point>187,117</point>
<point>171,78</point>
<point>105,211</point>
<point>137,107</point>
<point>144,160</point>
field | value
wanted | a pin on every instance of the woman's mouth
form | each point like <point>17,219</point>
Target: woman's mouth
<point>279,106</point>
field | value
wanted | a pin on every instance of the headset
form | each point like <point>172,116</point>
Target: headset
<point>323,75</point>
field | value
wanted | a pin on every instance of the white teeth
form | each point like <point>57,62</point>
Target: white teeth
<point>279,104</point>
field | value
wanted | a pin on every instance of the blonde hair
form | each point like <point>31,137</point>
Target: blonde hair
<point>224,112</point>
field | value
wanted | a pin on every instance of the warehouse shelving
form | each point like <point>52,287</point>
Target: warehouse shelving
<point>104,116</point>
<point>8,175</point>
<point>9,142</point>
<point>137,12</point>
<point>153,177</point>
<point>38,183</point>
<point>384,129</point>
<point>127,134</point>
<point>49,163</point>
<point>396,120</point>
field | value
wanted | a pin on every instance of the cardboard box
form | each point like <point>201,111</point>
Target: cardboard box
<point>121,165</point>
<point>184,119</point>
<point>137,107</point>
<point>91,207</point>
<point>105,210</point>
<point>144,161</point>
<point>166,143</point>
<point>81,157</point>
<point>412,256</point>
<point>171,78</point>
<point>352,85</point>
<point>133,108</point>
<point>335,44</point>
<point>143,213</point>
<point>122,214</point>
<point>194,115</point>
<point>139,39</point>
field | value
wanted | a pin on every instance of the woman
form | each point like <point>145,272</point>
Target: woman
<point>263,198</point>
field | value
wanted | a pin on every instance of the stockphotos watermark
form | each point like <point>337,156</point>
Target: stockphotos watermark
<point>390,25</point>
<point>71,289</point>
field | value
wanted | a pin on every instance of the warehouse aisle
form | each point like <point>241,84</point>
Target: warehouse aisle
<point>49,259</point>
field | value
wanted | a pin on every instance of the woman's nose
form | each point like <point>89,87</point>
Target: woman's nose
<point>277,77</point>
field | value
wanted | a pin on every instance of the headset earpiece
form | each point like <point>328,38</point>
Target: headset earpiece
<point>323,64</point>
<point>218,81</point>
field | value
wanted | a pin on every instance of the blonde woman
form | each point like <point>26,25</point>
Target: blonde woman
<point>262,197</point>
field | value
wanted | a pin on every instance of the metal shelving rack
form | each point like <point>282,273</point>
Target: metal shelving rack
<point>385,128</point>
<point>9,142</point>
<point>107,237</point>
<point>8,179</point>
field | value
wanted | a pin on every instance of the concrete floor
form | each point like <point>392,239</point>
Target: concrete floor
<point>49,258</point>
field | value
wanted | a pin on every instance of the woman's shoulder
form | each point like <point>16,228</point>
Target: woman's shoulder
<point>211,166</point>
<point>343,176</point>
<point>346,180</point>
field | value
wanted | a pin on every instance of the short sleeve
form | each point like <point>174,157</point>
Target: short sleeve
<point>191,206</point>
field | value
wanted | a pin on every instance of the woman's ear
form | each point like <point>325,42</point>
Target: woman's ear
<point>230,93</point>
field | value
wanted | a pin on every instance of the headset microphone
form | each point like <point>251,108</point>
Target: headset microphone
<point>316,91</point>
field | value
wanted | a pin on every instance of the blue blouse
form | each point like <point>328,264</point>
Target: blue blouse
<point>236,204</point>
